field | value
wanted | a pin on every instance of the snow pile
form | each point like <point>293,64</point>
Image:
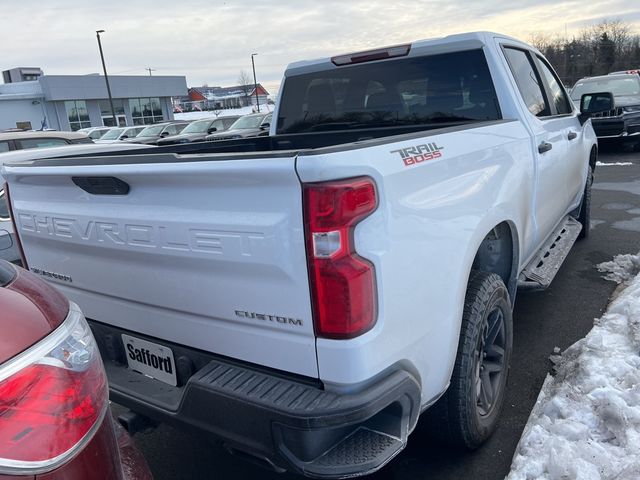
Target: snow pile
<point>585,424</point>
<point>622,268</point>
<point>613,164</point>
<point>198,115</point>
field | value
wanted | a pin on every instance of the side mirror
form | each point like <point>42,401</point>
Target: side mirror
<point>591,103</point>
<point>265,126</point>
<point>164,134</point>
<point>124,137</point>
<point>211,130</point>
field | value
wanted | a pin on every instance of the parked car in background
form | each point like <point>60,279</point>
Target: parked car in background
<point>623,121</point>
<point>152,133</point>
<point>197,130</point>
<point>10,141</point>
<point>8,246</point>
<point>55,422</point>
<point>624,72</point>
<point>95,133</point>
<point>120,133</point>
<point>254,125</point>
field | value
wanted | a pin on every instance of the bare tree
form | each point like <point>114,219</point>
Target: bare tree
<point>245,82</point>
<point>596,50</point>
<point>540,40</point>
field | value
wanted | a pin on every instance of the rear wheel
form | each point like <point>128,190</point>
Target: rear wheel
<point>584,216</point>
<point>467,414</point>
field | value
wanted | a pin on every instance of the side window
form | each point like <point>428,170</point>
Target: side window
<point>527,81</point>
<point>41,142</point>
<point>176,128</point>
<point>4,147</point>
<point>97,134</point>
<point>558,95</point>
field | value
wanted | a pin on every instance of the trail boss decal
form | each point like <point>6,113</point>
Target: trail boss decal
<point>419,153</point>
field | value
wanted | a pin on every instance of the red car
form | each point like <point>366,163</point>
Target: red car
<point>55,421</point>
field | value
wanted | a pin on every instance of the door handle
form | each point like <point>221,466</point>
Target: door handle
<point>572,135</point>
<point>544,147</point>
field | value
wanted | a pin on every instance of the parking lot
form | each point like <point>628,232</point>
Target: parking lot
<point>556,317</point>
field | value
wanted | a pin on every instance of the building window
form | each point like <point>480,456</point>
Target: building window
<point>77,114</point>
<point>145,111</point>
<point>105,112</point>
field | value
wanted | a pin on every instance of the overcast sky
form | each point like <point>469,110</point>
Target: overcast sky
<point>211,41</point>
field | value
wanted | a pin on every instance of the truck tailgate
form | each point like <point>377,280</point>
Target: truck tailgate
<point>202,252</point>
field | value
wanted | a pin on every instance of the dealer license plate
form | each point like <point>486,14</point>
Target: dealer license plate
<point>155,361</point>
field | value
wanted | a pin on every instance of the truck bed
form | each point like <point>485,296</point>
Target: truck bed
<point>292,143</point>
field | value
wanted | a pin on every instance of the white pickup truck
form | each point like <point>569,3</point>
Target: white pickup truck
<point>305,296</point>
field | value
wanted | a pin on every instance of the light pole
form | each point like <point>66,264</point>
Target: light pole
<point>255,83</point>
<point>106,79</point>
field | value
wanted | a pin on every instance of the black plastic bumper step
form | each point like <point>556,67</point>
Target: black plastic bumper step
<point>359,453</point>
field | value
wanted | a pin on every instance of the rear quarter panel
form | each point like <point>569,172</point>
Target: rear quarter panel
<point>422,239</point>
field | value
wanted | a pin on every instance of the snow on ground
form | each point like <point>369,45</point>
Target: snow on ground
<point>197,115</point>
<point>585,424</point>
<point>613,164</point>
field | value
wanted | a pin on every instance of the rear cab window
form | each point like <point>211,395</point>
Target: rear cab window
<point>40,142</point>
<point>435,90</point>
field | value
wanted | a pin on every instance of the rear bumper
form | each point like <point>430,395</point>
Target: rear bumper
<point>284,421</point>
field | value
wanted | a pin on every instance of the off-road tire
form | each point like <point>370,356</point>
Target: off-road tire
<point>457,417</point>
<point>584,216</point>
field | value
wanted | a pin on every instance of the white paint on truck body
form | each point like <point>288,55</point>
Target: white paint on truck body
<point>205,236</point>
<point>205,254</point>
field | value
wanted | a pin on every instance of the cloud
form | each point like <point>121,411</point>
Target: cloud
<point>211,41</point>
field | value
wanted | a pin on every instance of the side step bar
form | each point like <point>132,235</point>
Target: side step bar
<point>541,270</point>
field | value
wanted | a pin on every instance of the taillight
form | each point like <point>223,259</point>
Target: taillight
<point>53,397</point>
<point>342,282</point>
<point>7,198</point>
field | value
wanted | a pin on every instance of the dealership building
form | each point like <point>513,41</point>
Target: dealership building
<point>31,100</point>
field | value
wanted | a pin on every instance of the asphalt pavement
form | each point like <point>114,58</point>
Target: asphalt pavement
<point>556,317</point>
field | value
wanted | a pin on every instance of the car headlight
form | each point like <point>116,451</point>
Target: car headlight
<point>631,108</point>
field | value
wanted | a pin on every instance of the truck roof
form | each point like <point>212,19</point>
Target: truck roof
<point>418,47</point>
